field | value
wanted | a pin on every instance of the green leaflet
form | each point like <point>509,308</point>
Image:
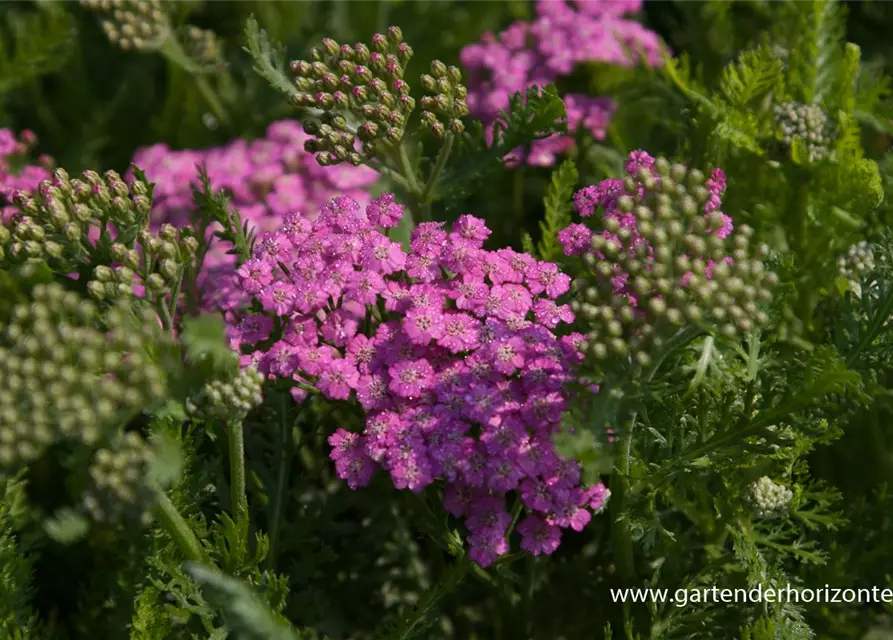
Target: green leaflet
<point>558,206</point>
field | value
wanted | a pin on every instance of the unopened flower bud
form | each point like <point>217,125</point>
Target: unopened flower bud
<point>155,283</point>
<point>168,268</point>
<point>395,35</point>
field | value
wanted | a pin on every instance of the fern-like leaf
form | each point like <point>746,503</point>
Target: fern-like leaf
<point>269,58</point>
<point>751,77</point>
<point>18,621</point>
<point>558,209</point>
<point>818,30</point>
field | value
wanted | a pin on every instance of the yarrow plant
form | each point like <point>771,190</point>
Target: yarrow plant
<point>563,36</point>
<point>448,348</point>
<point>662,256</point>
<point>239,383</point>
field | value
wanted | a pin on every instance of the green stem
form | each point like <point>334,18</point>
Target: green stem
<point>179,530</point>
<point>283,461</point>
<point>442,157</point>
<point>172,50</point>
<point>210,96</point>
<point>407,170</point>
<point>516,514</point>
<point>620,486</point>
<point>166,320</point>
<point>238,496</point>
<point>175,295</point>
<point>390,174</point>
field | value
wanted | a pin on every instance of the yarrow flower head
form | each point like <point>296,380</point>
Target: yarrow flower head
<point>769,500</point>
<point>450,351</point>
<point>269,180</point>
<point>807,122</point>
<point>662,253</point>
<point>561,36</point>
<point>61,377</point>
<point>856,264</point>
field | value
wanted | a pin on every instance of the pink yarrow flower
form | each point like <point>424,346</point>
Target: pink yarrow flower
<point>450,351</point>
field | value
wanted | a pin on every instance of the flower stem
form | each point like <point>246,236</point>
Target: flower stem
<point>237,473</point>
<point>210,96</point>
<point>283,460</point>
<point>408,171</point>
<point>179,529</point>
<point>172,50</point>
<point>442,157</point>
<point>620,535</point>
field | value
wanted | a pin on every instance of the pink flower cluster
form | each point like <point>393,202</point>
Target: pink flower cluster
<point>562,35</point>
<point>266,178</point>
<point>449,349</point>
<point>577,238</point>
<point>15,172</point>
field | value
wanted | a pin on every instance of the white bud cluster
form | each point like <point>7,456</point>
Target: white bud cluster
<point>807,122</point>
<point>132,25</point>
<point>118,488</point>
<point>229,400</point>
<point>858,261</point>
<point>63,378</point>
<point>203,46</point>
<point>769,500</point>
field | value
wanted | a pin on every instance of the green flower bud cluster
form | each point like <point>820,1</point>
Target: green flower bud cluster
<point>231,400</point>
<point>118,488</point>
<point>158,265</point>
<point>661,263</point>
<point>443,110</point>
<point>62,378</point>
<point>769,500</point>
<point>351,85</point>
<point>858,261</point>
<point>807,122</point>
<point>56,224</point>
<point>203,46</point>
<point>56,220</point>
<point>132,25</point>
